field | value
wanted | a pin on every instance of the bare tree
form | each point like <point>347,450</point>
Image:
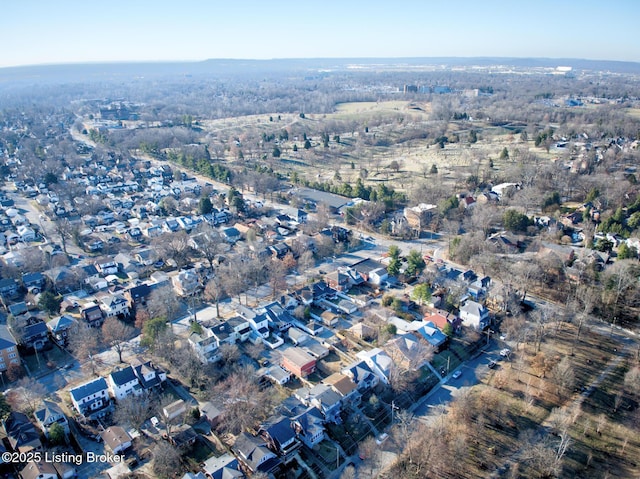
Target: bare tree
<point>277,273</point>
<point>229,353</point>
<point>214,291</point>
<point>116,333</point>
<point>84,343</point>
<point>133,410</point>
<point>564,376</point>
<point>245,404</point>
<point>163,303</point>
<point>27,395</point>
<point>210,244</point>
<point>175,246</point>
<point>166,460</point>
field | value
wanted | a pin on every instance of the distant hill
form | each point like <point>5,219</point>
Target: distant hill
<point>88,72</point>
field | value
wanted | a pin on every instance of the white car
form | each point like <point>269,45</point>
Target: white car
<point>505,352</point>
<point>457,374</point>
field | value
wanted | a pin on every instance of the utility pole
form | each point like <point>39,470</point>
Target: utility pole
<point>393,408</point>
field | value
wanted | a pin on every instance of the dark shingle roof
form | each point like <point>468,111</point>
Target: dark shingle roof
<point>88,389</point>
<point>123,376</point>
<point>6,338</point>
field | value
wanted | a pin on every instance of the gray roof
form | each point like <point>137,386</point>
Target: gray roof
<point>49,409</point>
<point>6,338</point>
<point>317,196</point>
<point>123,376</point>
<point>87,389</point>
<point>61,323</point>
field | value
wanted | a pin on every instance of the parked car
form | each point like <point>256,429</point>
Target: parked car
<point>457,374</point>
<point>492,365</point>
<point>505,352</point>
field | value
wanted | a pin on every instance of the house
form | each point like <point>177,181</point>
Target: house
<point>108,267</point>
<point>66,470</point>
<point>441,318</point>
<point>123,383</point>
<point>474,315</point>
<point>329,318</point>
<point>114,305</point>
<point>39,470</point>
<point>309,426</point>
<point>296,214</point>
<point>22,435</point>
<point>259,321</point>
<point>92,314</point>
<point>90,273</point>
<point>149,375</point>
<point>16,309</point>
<point>49,414</point>
<point>241,327</point>
<point>278,375</point>
<point>298,362</point>
<point>31,333</point>
<point>407,351</point>
<point>170,225</point>
<point>90,397</point>
<point>223,333</point>
<point>420,216</point>
<point>280,436</point>
<point>362,331</point>
<point>223,467</point>
<point>26,234</point>
<point>175,409</point>
<point>205,345</point>
<point>183,436</point>
<point>33,282</point>
<point>231,235</point>
<point>279,250</point>
<point>255,454</point>
<point>8,288</point>
<point>315,349</point>
<point>297,336</point>
<point>337,281</point>
<point>210,413</point>
<point>324,398</point>
<point>378,361</point>
<point>8,348</point>
<point>116,439</point>
<point>278,317</point>
<point>432,335</point>
<point>59,328</point>
<point>137,295</point>
<point>186,282</point>
<point>146,256</point>
<point>343,385</point>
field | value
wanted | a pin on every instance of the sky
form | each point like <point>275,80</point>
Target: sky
<point>71,31</point>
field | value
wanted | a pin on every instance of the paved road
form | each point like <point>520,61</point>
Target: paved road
<point>473,371</point>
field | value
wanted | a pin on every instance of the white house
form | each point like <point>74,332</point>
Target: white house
<point>206,345</point>
<point>474,315</point>
<point>123,383</point>
<point>26,234</point>
<point>90,397</point>
<point>241,327</point>
<point>259,322</point>
<point>379,362</point>
<point>378,276</point>
<point>114,305</point>
<point>109,267</point>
